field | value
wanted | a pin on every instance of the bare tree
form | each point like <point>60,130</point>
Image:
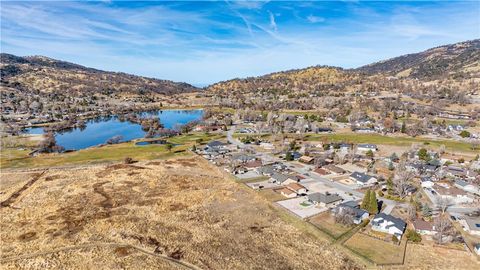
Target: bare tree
<point>443,228</point>
<point>345,216</point>
<point>412,212</point>
<point>401,180</point>
<point>442,203</point>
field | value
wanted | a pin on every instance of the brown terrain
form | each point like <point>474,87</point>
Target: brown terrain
<point>181,213</point>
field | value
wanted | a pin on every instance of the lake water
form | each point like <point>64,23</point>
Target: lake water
<point>98,131</point>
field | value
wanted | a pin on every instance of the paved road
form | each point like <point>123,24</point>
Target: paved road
<point>306,170</point>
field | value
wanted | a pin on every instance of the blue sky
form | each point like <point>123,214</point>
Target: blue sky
<point>205,42</point>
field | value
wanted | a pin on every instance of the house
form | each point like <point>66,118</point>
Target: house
<point>266,170</point>
<point>282,179</point>
<point>251,165</point>
<point>216,144</point>
<point>367,147</point>
<point>243,158</point>
<point>426,182</point>
<point>423,227</point>
<point>362,178</point>
<point>298,188</point>
<point>472,225</point>
<point>321,171</point>
<point>388,224</point>
<point>325,199</point>
<point>334,169</point>
<point>306,159</point>
<point>324,129</point>
<point>467,186</point>
<point>278,178</point>
<point>359,215</point>
<point>287,192</point>
<point>454,194</point>
<point>456,171</point>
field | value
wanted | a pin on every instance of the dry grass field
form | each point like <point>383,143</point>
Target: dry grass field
<point>144,216</point>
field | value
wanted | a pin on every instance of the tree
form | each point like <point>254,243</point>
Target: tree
<point>369,154</point>
<point>49,144</point>
<point>366,201</point>
<point>194,147</point>
<point>443,227</point>
<point>373,204</point>
<point>465,134</point>
<point>401,180</point>
<point>128,160</point>
<point>442,203</point>
<point>169,146</point>
<point>115,139</point>
<point>345,216</point>
<point>404,127</point>
<point>289,156</point>
<point>426,210</point>
<point>412,212</point>
<point>413,236</point>
<point>423,154</point>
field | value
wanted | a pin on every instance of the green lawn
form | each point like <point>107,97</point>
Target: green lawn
<point>13,158</point>
<point>387,140</point>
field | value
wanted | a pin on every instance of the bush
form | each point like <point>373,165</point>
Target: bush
<point>394,239</point>
<point>365,222</point>
<point>413,236</point>
<point>380,193</point>
<point>465,134</point>
<point>128,160</point>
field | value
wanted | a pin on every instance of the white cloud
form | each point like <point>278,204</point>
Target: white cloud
<point>315,19</point>
<point>273,24</point>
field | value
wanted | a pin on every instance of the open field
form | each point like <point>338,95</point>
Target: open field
<point>429,257</point>
<point>326,222</point>
<point>122,216</point>
<point>14,158</point>
<point>450,145</point>
<point>378,251</point>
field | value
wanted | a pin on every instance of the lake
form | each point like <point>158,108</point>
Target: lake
<point>99,130</point>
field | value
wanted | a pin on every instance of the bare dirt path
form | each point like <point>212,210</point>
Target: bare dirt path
<point>176,262</point>
<point>8,202</point>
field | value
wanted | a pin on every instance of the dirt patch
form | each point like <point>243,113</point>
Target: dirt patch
<point>112,168</point>
<point>27,236</point>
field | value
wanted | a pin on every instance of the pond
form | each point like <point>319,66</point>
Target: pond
<point>98,131</point>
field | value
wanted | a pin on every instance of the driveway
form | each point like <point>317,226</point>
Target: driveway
<point>300,208</point>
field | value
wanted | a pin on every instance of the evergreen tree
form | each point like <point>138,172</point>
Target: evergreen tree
<point>426,210</point>
<point>373,205</point>
<point>366,200</point>
<point>404,127</point>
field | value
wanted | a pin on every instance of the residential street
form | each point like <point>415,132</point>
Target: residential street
<point>306,170</point>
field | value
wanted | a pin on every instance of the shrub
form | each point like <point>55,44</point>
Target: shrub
<point>128,160</point>
<point>394,239</point>
<point>413,236</point>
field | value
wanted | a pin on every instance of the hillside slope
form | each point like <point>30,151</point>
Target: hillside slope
<point>42,74</point>
<point>459,60</point>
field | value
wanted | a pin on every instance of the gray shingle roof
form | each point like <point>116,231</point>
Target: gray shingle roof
<point>397,222</point>
<point>324,198</point>
<point>361,177</point>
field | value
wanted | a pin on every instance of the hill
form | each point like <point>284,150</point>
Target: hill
<point>459,60</point>
<point>43,74</point>
<point>449,73</point>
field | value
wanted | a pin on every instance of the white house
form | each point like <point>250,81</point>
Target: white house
<point>427,182</point>
<point>388,224</point>
<point>363,179</point>
<point>453,194</point>
<point>367,147</point>
<point>423,227</point>
<point>468,187</point>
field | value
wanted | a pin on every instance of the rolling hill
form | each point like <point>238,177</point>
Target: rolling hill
<point>43,74</point>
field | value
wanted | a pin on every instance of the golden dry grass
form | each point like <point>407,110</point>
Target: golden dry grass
<point>181,208</point>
